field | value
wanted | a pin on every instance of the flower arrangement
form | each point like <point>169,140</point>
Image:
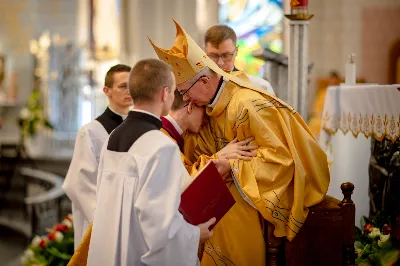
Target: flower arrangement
<point>378,241</point>
<point>55,249</point>
<point>32,117</point>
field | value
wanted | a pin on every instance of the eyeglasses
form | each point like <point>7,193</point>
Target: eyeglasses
<point>225,57</point>
<point>183,93</point>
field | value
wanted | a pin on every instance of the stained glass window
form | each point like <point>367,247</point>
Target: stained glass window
<point>258,24</point>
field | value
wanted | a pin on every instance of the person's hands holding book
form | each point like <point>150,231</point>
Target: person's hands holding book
<point>205,233</point>
<point>238,150</point>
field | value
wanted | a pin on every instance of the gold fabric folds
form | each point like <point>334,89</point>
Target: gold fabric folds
<point>290,172</point>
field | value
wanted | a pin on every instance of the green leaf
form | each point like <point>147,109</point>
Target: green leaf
<point>375,248</point>
<point>358,245</point>
<point>358,232</point>
<point>363,221</point>
<point>58,254</point>
<point>366,251</point>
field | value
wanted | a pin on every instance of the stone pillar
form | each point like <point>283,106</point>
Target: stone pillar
<point>298,66</point>
<point>298,56</point>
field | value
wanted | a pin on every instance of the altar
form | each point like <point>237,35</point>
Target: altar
<point>353,115</point>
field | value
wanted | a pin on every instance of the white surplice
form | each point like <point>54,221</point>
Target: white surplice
<point>137,221</point>
<point>262,83</point>
<point>80,181</point>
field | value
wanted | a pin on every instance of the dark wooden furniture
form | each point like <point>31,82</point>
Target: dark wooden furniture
<point>326,238</point>
<point>9,157</point>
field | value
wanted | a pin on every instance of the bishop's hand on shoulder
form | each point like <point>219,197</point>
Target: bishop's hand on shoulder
<point>205,233</point>
<point>238,150</point>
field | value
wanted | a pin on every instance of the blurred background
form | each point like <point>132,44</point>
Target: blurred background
<point>54,55</point>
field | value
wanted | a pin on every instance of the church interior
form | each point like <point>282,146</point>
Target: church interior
<point>337,63</point>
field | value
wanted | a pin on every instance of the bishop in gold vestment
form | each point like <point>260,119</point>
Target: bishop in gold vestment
<point>288,175</point>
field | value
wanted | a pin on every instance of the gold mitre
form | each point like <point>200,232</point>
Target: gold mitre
<point>186,58</point>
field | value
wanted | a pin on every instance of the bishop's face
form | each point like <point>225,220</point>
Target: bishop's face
<point>119,93</point>
<point>199,92</point>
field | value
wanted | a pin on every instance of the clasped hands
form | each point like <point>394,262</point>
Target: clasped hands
<point>234,150</point>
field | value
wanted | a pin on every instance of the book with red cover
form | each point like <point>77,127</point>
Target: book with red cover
<point>206,197</point>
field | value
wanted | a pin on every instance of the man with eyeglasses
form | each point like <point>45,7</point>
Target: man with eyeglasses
<point>288,175</point>
<point>220,46</point>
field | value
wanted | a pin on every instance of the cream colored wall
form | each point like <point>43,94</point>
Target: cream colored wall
<point>336,30</point>
<point>153,18</point>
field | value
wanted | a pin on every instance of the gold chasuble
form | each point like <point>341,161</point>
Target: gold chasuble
<point>288,175</point>
<point>200,162</point>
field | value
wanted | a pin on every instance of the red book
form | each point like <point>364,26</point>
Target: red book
<point>206,197</point>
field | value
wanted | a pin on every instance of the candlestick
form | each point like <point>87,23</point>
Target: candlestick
<point>299,10</point>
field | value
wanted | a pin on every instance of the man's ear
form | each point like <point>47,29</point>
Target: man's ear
<point>190,107</point>
<point>164,93</point>
<point>107,91</point>
<point>204,79</point>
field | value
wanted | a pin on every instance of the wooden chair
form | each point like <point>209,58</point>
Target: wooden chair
<point>326,238</point>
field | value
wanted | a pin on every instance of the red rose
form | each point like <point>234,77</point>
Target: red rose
<point>62,228</point>
<point>387,229</point>
<point>367,228</point>
<point>42,243</point>
<point>59,227</point>
<point>52,236</point>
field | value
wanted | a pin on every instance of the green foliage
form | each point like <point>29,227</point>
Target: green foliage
<point>32,116</point>
<point>55,249</point>
<point>374,245</point>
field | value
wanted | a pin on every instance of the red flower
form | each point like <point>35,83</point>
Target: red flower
<point>62,228</point>
<point>387,229</point>
<point>42,243</point>
<point>69,218</point>
<point>367,228</point>
<point>52,236</point>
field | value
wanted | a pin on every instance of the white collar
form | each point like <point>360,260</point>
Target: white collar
<point>212,105</point>
<point>174,123</point>
<point>123,116</point>
<point>146,112</point>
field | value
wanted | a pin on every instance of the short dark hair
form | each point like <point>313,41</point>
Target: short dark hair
<point>219,33</point>
<point>109,80</point>
<point>147,77</point>
<point>178,101</point>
